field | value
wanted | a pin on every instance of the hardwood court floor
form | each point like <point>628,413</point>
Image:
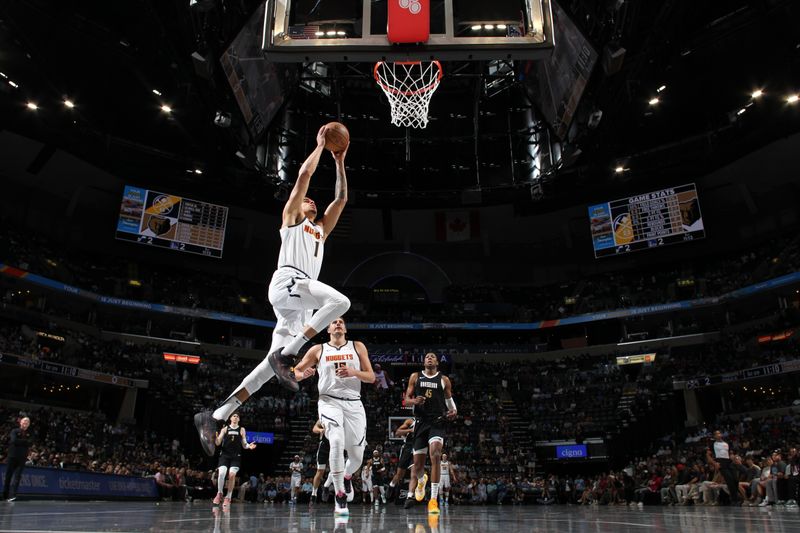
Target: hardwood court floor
<point>199,516</point>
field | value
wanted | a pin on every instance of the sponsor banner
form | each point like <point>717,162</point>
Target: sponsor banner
<point>65,483</point>
<point>260,437</point>
<point>71,371</point>
<point>775,283</point>
<point>398,358</point>
<point>182,358</point>
<point>576,451</point>
<point>131,304</point>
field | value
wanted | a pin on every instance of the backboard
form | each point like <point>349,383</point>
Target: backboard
<point>356,30</point>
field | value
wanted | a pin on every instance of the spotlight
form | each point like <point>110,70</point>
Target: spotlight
<point>488,26</point>
<point>14,85</point>
<point>501,26</point>
<point>3,74</point>
<point>742,110</point>
<point>792,98</point>
<point>654,101</point>
<point>340,32</point>
<point>476,27</point>
<point>660,89</point>
<point>619,169</point>
<point>319,33</point>
<point>156,92</point>
<point>69,103</point>
<point>166,109</point>
<point>198,171</point>
<point>331,33</point>
<point>757,93</point>
<point>32,106</point>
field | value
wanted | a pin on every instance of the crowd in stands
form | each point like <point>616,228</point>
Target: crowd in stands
<point>487,303</point>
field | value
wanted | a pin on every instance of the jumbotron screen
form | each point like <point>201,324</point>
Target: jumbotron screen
<point>647,220</point>
<point>168,221</point>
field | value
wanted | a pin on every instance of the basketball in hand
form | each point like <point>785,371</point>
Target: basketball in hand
<point>336,137</point>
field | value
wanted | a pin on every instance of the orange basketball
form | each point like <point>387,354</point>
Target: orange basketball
<point>336,137</point>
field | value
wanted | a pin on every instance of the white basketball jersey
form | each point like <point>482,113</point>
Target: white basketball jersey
<point>302,247</point>
<point>444,469</point>
<point>332,358</point>
<point>296,468</point>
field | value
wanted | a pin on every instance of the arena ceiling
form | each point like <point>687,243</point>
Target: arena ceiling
<point>120,63</point>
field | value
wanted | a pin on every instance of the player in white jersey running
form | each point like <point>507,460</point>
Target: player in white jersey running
<point>294,291</point>
<point>296,467</point>
<point>342,366</point>
<point>447,473</point>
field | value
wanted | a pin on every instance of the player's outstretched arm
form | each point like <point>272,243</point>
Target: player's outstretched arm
<point>334,210</point>
<point>305,368</point>
<point>293,207</point>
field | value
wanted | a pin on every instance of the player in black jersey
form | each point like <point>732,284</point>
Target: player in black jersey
<point>231,440</point>
<point>431,395</point>
<point>378,477</point>
<point>406,431</point>
<point>323,451</point>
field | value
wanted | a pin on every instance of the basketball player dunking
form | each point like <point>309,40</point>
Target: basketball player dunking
<point>431,395</point>
<point>294,291</point>
<point>343,366</point>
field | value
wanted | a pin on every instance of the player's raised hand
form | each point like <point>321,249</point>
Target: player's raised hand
<point>308,372</point>
<point>251,446</point>
<point>341,154</point>
<point>321,136</point>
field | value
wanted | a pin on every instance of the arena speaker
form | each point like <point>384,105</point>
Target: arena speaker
<point>613,57</point>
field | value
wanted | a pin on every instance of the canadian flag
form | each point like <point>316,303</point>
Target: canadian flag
<point>457,225</point>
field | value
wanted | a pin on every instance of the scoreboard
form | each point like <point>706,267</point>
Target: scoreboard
<point>645,221</point>
<point>168,221</point>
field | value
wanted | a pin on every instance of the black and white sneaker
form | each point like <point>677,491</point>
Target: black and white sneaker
<point>206,427</point>
<point>341,505</point>
<point>409,503</point>
<point>348,489</point>
<point>12,499</point>
<point>283,366</point>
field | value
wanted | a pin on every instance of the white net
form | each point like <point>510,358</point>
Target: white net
<point>409,86</point>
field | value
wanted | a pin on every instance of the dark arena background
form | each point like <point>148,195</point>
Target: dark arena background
<point>594,224</point>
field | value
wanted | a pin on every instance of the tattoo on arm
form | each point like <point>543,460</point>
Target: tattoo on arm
<point>341,182</point>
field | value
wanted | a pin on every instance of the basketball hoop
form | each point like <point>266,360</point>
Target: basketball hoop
<point>409,86</point>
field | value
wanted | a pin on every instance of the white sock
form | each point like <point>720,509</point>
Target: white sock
<point>294,346</point>
<point>434,490</point>
<point>382,489</point>
<point>314,491</point>
<point>391,484</point>
<point>224,411</point>
<point>338,481</point>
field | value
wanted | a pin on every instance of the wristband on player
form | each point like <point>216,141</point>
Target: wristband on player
<point>450,403</point>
